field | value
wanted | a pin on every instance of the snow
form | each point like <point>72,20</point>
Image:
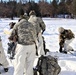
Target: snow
<point>67,62</point>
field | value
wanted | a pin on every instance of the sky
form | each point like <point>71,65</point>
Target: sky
<point>67,62</point>
<point>25,0</point>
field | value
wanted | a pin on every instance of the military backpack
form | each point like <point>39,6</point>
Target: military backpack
<point>47,65</point>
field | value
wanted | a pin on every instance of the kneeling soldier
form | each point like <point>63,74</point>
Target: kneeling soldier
<point>65,38</point>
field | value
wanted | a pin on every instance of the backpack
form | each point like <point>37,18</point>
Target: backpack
<point>70,34</point>
<point>48,65</point>
<point>67,34</point>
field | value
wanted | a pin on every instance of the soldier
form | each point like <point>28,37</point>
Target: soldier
<point>40,28</point>
<point>3,60</point>
<point>26,47</point>
<point>11,44</point>
<point>65,38</point>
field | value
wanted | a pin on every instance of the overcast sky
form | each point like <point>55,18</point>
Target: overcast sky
<point>28,0</point>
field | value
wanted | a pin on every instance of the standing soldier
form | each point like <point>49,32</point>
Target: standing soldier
<point>40,28</point>
<point>26,47</point>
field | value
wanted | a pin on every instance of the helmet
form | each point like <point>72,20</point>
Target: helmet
<point>25,14</point>
<point>11,24</point>
<point>32,12</point>
<point>61,29</point>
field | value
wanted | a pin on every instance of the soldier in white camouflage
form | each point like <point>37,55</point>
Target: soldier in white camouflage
<point>40,28</point>
<point>25,49</point>
<point>3,60</point>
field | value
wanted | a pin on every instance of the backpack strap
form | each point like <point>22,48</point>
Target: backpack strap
<point>40,60</point>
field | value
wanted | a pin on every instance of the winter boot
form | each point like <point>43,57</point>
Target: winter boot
<point>6,69</point>
<point>11,57</point>
<point>72,50</point>
<point>60,50</point>
<point>64,52</point>
<point>0,64</point>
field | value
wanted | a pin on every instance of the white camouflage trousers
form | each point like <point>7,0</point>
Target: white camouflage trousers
<point>40,45</point>
<point>3,59</point>
<point>67,47</point>
<point>24,59</point>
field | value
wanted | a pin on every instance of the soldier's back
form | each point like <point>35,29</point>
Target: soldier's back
<point>34,20</point>
<point>25,32</point>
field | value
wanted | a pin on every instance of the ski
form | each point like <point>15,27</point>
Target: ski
<point>72,53</point>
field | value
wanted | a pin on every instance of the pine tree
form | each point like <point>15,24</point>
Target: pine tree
<point>68,2</point>
<point>54,8</point>
<point>62,9</point>
<point>74,8</point>
<point>69,6</point>
<point>33,6</point>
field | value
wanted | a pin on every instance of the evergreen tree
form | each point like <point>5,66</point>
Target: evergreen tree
<point>62,9</point>
<point>21,12</point>
<point>54,8</point>
<point>74,8</point>
<point>62,0</point>
<point>69,6</point>
<point>33,6</point>
<point>68,2</point>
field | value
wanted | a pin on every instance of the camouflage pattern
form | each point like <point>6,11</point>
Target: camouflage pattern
<point>24,17</point>
<point>32,12</point>
<point>37,22</point>
<point>42,24</point>
<point>25,31</point>
<point>67,34</point>
<point>48,65</point>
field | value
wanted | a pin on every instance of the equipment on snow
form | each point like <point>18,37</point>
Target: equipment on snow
<point>47,65</point>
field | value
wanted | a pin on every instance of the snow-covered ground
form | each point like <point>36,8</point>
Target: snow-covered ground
<point>67,62</point>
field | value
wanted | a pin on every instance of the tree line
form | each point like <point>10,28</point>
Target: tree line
<point>42,8</point>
